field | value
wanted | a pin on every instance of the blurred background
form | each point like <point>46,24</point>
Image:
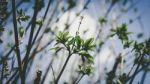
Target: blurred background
<point>99,17</point>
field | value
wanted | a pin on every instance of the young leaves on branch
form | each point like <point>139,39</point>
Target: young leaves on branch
<point>86,69</point>
<point>122,34</point>
<point>21,16</point>
<point>79,46</point>
<point>39,21</point>
<point>102,20</point>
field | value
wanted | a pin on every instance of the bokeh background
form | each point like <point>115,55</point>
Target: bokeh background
<point>134,13</point>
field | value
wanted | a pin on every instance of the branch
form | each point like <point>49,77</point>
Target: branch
<point>15,73</point>
<point>64,66</point>
<point>30,40</point>
<point>77,82</point>
<point>53,72</point>
<point>136,70</point>
<point>16,39</point>
<point>37,33</point>
<point>47,71</point>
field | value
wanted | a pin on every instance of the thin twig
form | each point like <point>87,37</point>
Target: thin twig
<point>53,72</point>
<point>37,33</point>
<point>10,51</point>
<point>64,66</point>
<point>8,81</point>
<point>30,39</point>
<point>135,72</point>
<point>79,79</point>
<point>47,71</point>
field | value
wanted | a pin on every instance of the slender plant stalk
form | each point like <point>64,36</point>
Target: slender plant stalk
<point>8,81</point>
<point>16,40</point>
<point>53,13</point>
<point>64,66</point>
<point>32,55</point>
<point>37,33</point>
<point>79,79</point>
<point>30,40</point>
<point>47,71</point>
<point>53,72</point>
<point>132,67</point>
<point>10,51</point>
<point>136,70</point>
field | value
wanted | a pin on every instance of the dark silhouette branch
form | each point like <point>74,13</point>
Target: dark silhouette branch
<point>37,33</point>
<point>16,39</point>
<point>30,39</point>
<point>77,82</point>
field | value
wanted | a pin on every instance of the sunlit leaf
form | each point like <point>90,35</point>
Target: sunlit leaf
<point>21,31</point>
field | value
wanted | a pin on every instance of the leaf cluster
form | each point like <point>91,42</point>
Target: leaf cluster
<point>86,69</point>
<point>102,20</point>
<point>122,34</point>
<point>141,50</point>
<point>79,46</point>
<point>21,16</point>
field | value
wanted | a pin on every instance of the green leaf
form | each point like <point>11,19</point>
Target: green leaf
<point>113,30</point>
<point>127,44</point>
<point>25,18</point>
<point>79,41</point>
<point>111,35</point>
<point>62,37</point>
<point>20,12</point>
<point>21,16</point>
<point>85,69</point>
<point>84,53</point>
<point>21,31</point>
<point>91,60</point>
<point>89,41</point>
<point>87,55</point>
<point>88,44</point>
<point>102,20</point>
<point>39,21</point>
<point>71,41</point>
<point>123,78</point>
<point>56,49</point>
<point>47,30</point>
